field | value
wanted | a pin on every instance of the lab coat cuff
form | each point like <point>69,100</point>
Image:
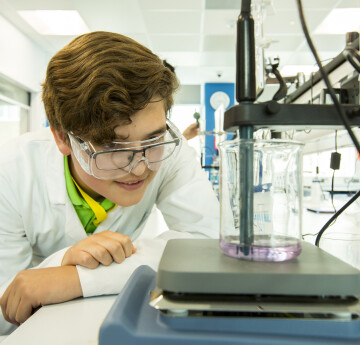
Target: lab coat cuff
<point>108,280</point>
<point>53,260</point>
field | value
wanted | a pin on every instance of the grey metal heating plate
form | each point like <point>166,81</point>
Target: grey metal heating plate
<point>198,266</point>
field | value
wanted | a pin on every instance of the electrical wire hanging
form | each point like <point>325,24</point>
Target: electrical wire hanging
<point>329,222</point>
<point>333,176</point>
<point>338,107</point>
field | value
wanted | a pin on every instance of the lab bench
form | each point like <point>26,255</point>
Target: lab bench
<point>77,322</point>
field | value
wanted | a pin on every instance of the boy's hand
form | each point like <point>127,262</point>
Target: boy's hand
<point>32,289</point>
<point>102,248</point>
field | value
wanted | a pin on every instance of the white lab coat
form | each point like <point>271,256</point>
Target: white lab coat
<point>39,222</point>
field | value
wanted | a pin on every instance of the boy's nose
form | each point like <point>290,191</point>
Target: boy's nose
<point>139,167</point>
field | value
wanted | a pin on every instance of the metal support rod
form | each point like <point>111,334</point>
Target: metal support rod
<point>246,93</point>
<point>245,55</point>
<point>246,189</point>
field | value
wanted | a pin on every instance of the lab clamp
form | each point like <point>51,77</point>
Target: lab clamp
<point>205,295</point>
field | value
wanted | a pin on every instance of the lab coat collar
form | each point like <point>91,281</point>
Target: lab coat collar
<point>55,178</point>
<point>74,230</point>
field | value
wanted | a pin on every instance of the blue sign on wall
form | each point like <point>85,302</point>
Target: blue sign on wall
<point>210,89</point>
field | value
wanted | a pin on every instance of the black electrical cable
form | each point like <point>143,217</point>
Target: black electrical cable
<point>353,57</point>
<point>312,85</point>
<point>283,89</point>
<point>335,140</point>
<point>333,177</point>
<point>332,190</point>
<point>342,209</point>
<point>325,77</point>
<point>338,107</point>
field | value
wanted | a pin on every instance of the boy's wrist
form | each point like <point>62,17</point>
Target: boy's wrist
<point>70,273</point>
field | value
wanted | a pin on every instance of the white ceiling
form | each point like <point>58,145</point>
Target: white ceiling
<point>196,36</point>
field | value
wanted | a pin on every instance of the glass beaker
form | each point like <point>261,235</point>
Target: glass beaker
<point>260,216</point>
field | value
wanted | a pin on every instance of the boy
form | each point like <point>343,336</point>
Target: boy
<point>80,197</point>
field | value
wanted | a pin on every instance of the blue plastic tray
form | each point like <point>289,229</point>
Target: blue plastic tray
<point>132,321</point>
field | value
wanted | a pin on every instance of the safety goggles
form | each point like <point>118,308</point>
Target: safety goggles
<point>119,158</point>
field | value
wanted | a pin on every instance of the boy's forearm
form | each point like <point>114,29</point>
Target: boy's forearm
<point>69,280</point>
<point>34,288</point>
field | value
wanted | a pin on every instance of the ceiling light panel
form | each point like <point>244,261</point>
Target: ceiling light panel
<point>340,21</point>
<point>292,70</point>
<point>59,22</point>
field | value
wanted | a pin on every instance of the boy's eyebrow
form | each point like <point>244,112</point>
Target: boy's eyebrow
<point>147,136</point>
<point>157,132</point>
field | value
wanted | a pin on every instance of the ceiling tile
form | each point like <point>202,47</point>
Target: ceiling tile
<point>319,4</point>
<point>287,22</point>
<point>205,74</point>
<point>172,43</point>
<point>221,22</point>
<point>139,37</point>
<point>349,4</point>
<point>335,43</point>
<point>182,58</point>
<point>307,4</point>
<point>165,22</point>
<point>284,4</point>
<point>213,58</point>
<point>40,4</point>
<point>173,29</point>
<point>58,42</point>
<point>171,5</point>
<point>223,5</point>
<point>299,58</point>
<point>283,43</point>
<point>128,16</point>
<point>219,43</point>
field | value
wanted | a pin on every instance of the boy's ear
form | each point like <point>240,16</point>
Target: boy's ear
<point>61,143</point>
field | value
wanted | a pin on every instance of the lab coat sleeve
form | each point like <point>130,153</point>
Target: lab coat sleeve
<point>106,280</point>
<point>15,249</point>
<point>186,198</point>
<point>53,260</point>
<point>5,327</point>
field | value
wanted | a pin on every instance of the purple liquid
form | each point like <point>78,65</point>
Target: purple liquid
<point>264,248</point>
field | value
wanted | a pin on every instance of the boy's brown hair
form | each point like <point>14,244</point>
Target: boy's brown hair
<point>99,80</point>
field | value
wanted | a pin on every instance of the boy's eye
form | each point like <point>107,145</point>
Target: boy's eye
<point>159,139</point>
<point>109,146</point>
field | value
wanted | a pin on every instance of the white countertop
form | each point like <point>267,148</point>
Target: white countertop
<point>75,322</point>
<point>78,322</point>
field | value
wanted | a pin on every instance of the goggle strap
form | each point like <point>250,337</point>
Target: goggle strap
<point>99,211</point>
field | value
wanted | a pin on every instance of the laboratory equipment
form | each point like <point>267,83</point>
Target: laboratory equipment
<point>277,190</point>
<point>201,296</point>
<point>210,298</point>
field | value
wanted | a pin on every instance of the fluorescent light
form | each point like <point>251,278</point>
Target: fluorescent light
<point>340,21</point>
<point>55,22</point>
<point>292,70</point>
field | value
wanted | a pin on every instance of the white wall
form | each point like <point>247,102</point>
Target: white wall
<point>21,60</point>
<point>24,63</point>
<point>37,112</point>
